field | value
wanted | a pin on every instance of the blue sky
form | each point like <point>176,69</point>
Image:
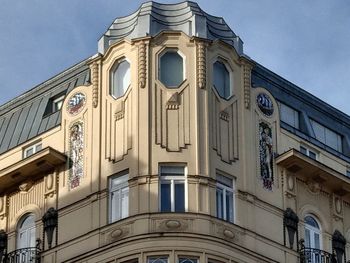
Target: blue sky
<point>305,41</point>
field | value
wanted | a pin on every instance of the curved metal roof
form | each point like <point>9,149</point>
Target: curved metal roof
<point>152,18</point>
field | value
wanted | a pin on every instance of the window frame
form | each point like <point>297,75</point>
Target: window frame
<point>172,180</point>
<point>159,71</point>
<point>155,257</point>
<point>124,184</point>
<point>56,102</point>
<point>112,73</point>
<point>27,230</point>
<point>34,147</point>
<point>224,187</point>
<point>313,229</point>
<point>326,130</point>
<point>296,115</point>
<point>308,150</point>
<point>230,70</point>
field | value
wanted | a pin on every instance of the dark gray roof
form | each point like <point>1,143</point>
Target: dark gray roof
<point>26,116</point>
<point>309,107</point>
<point>152,18</point>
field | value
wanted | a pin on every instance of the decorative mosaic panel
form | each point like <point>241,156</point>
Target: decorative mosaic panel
<point>266,155</point>
<point>76,103</point>
<point>76,153</point>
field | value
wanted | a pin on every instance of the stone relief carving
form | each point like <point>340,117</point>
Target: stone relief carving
<point>266,155</point>
<point>172,118</point>
<point>76,153</point>
<point>142,64</point>
<point>119,128</point>
<point>201,65</point>
<point>94,84</point>
<point>224,129</point>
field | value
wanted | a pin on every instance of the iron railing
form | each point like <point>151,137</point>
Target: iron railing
<point>23,255</point>
<point>314,255</point>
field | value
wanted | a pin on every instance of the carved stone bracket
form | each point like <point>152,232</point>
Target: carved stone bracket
<point>201,65</point>
<point>50,185</point>
<point>142,64</point>
<point>247,84</point>
<point>120,111</point>
<point>174,102</point>
<point>94,84</point>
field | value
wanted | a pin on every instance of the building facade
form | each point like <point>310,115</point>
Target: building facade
<point>170,145</point>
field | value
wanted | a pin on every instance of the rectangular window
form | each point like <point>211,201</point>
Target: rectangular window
<point>57,103</point>
<point>30,150</point>
<point>172,188</point>
<point>327,136</point>
<point>119,197</point>
<point>312,154</point>
<point>289,115</point>
<point>225,198</point>
<point>348,173</point>
<point>161,259</point>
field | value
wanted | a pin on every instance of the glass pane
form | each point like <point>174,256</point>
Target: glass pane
<point>31,238</point>
<point>157,260</point>
<point>303,150</point>
<point>179,197</point>
<point>125,203</point>
<point>311,222</point>
<point>121,79</point>
<point>312,155</point>
<point>289,116</point>
<point>165,197</point>
<point>188,260</point>
<point>317,241</point>
<point>120,181</point>
<point>115,205</point>
<point>38,147</point>
<point>332,139</point>
<point>224,180</point>
<point>319,131</point>
<point>171,69</point>
<point>172,170</point>
<point>307,238</point>
<point>229,206</point>
<point>29,152</point>
<point>221,79</point>
<point>219,203</point>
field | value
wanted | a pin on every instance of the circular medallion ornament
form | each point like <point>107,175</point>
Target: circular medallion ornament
<point>76,103</point>
<point>265,104</point>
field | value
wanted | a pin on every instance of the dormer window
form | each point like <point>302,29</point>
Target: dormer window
<point>221,80</point>
<point>289,115</point>
<point>57,104</point>
<point>171,69</point>
<point>120,78</point>
<point>327,136</point>
<point>30,150</point>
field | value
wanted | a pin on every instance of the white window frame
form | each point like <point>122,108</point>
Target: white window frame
<point>231,77</point>
<point>159,73</point>
<point>35,147</point>
<point>191,259</point>
<point>225,188</point>
<point>113,70</point>
<point>28,231</point>
<point>172,180</point>
<point>122,186</point>
<point>313,230</point>
<point>57,103</point>
<point>308,150</point>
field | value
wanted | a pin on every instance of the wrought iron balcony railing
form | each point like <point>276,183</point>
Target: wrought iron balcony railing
<point>23,255</point>
<point>313,255</point>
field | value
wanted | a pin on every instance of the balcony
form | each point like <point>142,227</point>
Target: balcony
<point>31,167</point>
<point>23,255</point>
<point>309,169</point>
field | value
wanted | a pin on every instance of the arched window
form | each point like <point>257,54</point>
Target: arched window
<point>312,233</point>
<point>222,80</point>
<point>26,232</point>
<point>120,78</point>
<point>171,69</point>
